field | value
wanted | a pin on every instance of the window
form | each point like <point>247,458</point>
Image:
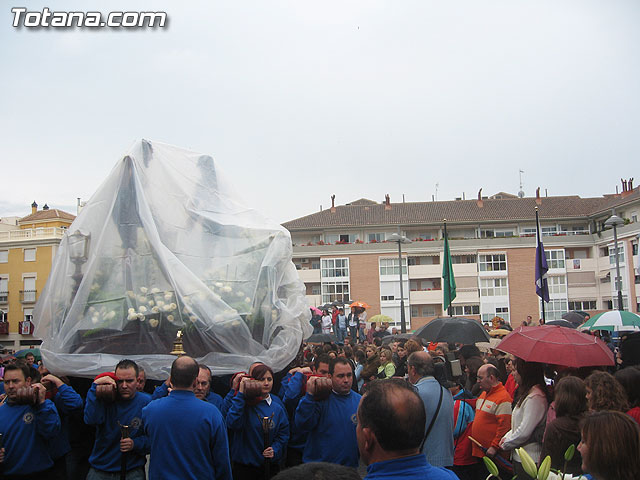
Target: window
<point>390,266</point>
<point>463,259</point>
<point>376,237</point>
<point>28,314</point>
<point>3,316</point>
<point>465,310</point>
<point>613,303</point>
<point>4,256</point>
<point>29,294</point>
<point>555,258</point>
<point>557,284</point>
<point>413,285</point>
<point>555,309</point>
<point>503,312</point>
<point>315,265</point>
<point>612,255</point>
<point>634,249</point>
<point>636,280</point>
<point>604,251</point>
<point>387,297</point>
<point>316,290</point>
<point>546,231</point>
<point>493,263</point>
<point>582,305</point>
<point>341,238</point>
<point>335,291</point>
<point>429,311</point>
<point>4,290</point>
<point>335,267</point>
<point>414,311</point>
<point>493,287</point>
<point>528,232</point>
<point>493,233</point>
<point>29,254</point>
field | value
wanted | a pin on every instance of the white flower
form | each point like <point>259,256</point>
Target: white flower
<point>167,308</point>
<point>226,289</point>
<point>193,318</point>
<point>239,294</point>
<point>155,290</point>
<point>110,315</point>
<point>92,309</point>
<point>141,317</point>
<point>173,306</point>
<point>170,318</point>
<point>160,303</point>
<point>144,289</point>
<point>131,294</point>
<point>95,287</point>
<point>94,320</point>
<point>219,284</point>
<point>151,303</point>
<point>155,309</point>
<point>167,297</point>
<point>154,322</point>
<point>142,309</point>
<point>247,300</point>
<point>132,316</point>
<point>142,299</point>
<point>186,310</point>
<point>131,310</point>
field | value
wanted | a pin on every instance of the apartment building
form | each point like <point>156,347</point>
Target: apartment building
<point>343,253</point>
<point>27,248</point>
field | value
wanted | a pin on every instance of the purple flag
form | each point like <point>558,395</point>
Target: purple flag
<point>542,287</point>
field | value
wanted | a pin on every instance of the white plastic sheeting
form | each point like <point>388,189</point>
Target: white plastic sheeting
<point>170,246</point>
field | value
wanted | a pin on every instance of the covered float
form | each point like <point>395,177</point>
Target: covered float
<point>165,245</point>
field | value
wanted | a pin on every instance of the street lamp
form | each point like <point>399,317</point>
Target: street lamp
<point>400,239</point>
<point>615,222</point>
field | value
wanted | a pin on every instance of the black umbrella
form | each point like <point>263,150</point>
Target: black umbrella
<point>561,323</point>
<point>392,338</point>
<point>453,330</point>
<point>577,317</point>
<point>322,338</point>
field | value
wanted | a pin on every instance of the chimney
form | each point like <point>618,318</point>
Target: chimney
<point>46,207</point>
<point>387,202</point>
<point>538,199</point>
<point>629,187</point>
<point>34,207</point>
<point>479,202</point>
<point>333,203</point>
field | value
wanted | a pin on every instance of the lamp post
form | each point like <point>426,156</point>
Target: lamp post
<point>400,239</point>
<point>615,222</point>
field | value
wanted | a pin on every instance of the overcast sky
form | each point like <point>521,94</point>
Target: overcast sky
<point>297,100</point>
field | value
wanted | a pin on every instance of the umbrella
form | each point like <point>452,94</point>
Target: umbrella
<point>614,320</point>
<point>359,304</point>
<point>575,317</point>
<point>557,346</point>
<point>392,338</point>
<point>493,343</point>
<point>322,338</point>
<point>453,330</point>
<point>337,303</point>
<point>562,323</point>
<point>6,357</point>
<point>381,319</point>
<point>316,310</point>
<point>23,353</point>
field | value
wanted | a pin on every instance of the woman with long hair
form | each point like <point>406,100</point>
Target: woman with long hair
<point>570,406</point>
<point>610,446</point>
<point>401,362</point>
<point>386,369</point>
<point>629,378</point>
<point>370,370</point>
<point>260,429</point>
<point>528,415</point>
<point>604,392</point>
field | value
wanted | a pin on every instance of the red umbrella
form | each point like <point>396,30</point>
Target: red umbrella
<point>557,346</point>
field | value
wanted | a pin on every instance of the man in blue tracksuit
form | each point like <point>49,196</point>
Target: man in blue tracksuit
<point>26,428</point>
<point>202,390</point>
<point>391,420</point>
<point>330,423</point>
<point>188,437</point>
<point>109,447</point>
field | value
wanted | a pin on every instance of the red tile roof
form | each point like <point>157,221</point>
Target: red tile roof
<point>51,214</point>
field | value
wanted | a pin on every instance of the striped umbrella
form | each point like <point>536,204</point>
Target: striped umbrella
<point>614,320</point>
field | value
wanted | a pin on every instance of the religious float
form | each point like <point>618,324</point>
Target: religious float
<point>166,249</point>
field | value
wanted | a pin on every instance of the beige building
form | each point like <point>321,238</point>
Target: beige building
<point>342,253</point>
<point>27,248</point>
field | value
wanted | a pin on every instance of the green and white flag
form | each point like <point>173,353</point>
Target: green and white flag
<point>449,286</point>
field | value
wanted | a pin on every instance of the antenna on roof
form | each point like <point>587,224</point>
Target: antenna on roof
<point>521,192</point>
<point>437,185</point>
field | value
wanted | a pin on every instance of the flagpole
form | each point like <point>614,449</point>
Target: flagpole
<point>539,239</point>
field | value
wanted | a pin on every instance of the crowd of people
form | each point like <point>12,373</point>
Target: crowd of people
<point>401,407</point>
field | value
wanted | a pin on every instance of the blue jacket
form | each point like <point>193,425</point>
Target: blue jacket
<point>439,445</point>
<point>188,439</point>
<point>291,398</point>
<point>331,425</point>
<point>66,401</point>
<point>247,443</point>
<point>415,467</point>
<point>162,390</point>
<point>26,430</point>
<point>106,453</point>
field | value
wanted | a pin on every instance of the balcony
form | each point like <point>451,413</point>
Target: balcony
<point>28,296</point>
<point>4,297</point>
<point>425,297</point>
<point>4,328</point>
<point>425,271</point>
<point>32,233</point>
<point>309,276</point>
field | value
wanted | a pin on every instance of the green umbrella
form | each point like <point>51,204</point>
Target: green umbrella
<point>23,353</point>
<point>381,319</point>
<point>614,320</point>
